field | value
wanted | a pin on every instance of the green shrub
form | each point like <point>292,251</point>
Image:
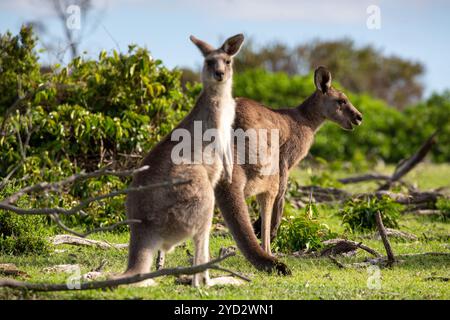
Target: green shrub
<point>276,90</point>
<point>22,234</point>
<point>443,205</point>
<point>299,231</point>
<point>83,116</point>
<point>19,68</point>
<point>359,214</point>
<point>385,133</point>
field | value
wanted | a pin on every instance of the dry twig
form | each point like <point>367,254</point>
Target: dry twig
<point>116,282</point>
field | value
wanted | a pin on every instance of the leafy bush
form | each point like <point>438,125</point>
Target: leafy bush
<point>273,89</point>
<point>359,214</point>
<point>301,231</point>
<point>84,116</point>
<point>19,68</point>
<point>386,133</point>
<point>443,205</point>
<point>95,112</point>
<point>22,234</point>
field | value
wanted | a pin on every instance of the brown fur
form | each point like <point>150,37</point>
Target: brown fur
<point>297,129</point>
<point>170,215</point>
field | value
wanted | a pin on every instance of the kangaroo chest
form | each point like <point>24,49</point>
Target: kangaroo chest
<point>221,121</point>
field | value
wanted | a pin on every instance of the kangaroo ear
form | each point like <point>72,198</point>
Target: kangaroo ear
<point>202,45</point>
<point>232,45</point>
<point>322,79</point>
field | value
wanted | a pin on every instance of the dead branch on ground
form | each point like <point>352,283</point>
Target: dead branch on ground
<point>384,238</point>
<point>111,283</point>
<point>403,167</point>
<point>339,246</point>
<point>79,241</point>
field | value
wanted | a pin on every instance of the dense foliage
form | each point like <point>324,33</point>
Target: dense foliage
<point>359,214</point>
<point>59,120</point>
<point>385,134</point>
<point>362,69</point>
<point>84,116</point>
<point>22,234</point>
<point>301,230</point>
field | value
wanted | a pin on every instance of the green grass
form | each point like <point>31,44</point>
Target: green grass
<point>313,278</point>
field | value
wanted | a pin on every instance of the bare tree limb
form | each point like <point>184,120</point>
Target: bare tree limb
<point>384,237</point>
<point>338,246</point>
<point>238,275</point>
<point>80,241</point>
<point>6,204</point>
<point>364,178</point>
<point>110,227</point>
<point>116,282</point>
<point>336,262</point>
<point>407,165</point>
<point>58,221</point>
<point>56,186</point>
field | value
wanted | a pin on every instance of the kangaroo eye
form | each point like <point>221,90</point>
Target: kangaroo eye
<point>341,102</point>
<point>228,61</point>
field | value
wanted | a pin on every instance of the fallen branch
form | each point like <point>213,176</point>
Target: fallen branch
<point>321,194</point>
<point>238,275</point>
<point>384,260</point>
<point>10,269</point>
<point>336,262</point>
<point>401,170</point>
<point>393,233</point>
<point>383,235</point>
<point>424,212</point>
<point>364,178</point>
<point>407,165</point>
<point>339,246</point>
<point>79,241</point>
<point>426,199</point>
<point>9,283</point>
<point>436,278</point>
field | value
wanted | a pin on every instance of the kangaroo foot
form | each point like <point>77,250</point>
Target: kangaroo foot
<point>282,269</point>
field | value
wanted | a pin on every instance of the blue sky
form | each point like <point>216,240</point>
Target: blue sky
<point>415,29</point>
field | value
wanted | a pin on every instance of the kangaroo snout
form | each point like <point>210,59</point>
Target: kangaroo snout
<point>219,75</point>
<point>357,118</point>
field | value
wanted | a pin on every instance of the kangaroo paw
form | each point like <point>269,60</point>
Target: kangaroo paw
<point>282,269</point>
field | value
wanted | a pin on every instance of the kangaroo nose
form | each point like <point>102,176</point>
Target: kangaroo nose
<point>219,75</point>
<point>358,119</point>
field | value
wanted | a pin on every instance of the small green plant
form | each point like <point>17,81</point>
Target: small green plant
<point>324,179</point>
<point>443,205</point>
<point>299,231</point>
<point>359,214</point>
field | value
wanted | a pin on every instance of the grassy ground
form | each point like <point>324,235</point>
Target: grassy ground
<point>313,278</point>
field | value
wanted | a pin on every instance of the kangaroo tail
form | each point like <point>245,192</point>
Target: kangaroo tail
<point>231,202</point>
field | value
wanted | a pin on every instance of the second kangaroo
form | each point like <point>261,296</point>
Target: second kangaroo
<point>296,127</point>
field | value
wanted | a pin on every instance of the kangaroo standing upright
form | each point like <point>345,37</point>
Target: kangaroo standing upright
<point>296,127</point>
<point>171,215</point>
